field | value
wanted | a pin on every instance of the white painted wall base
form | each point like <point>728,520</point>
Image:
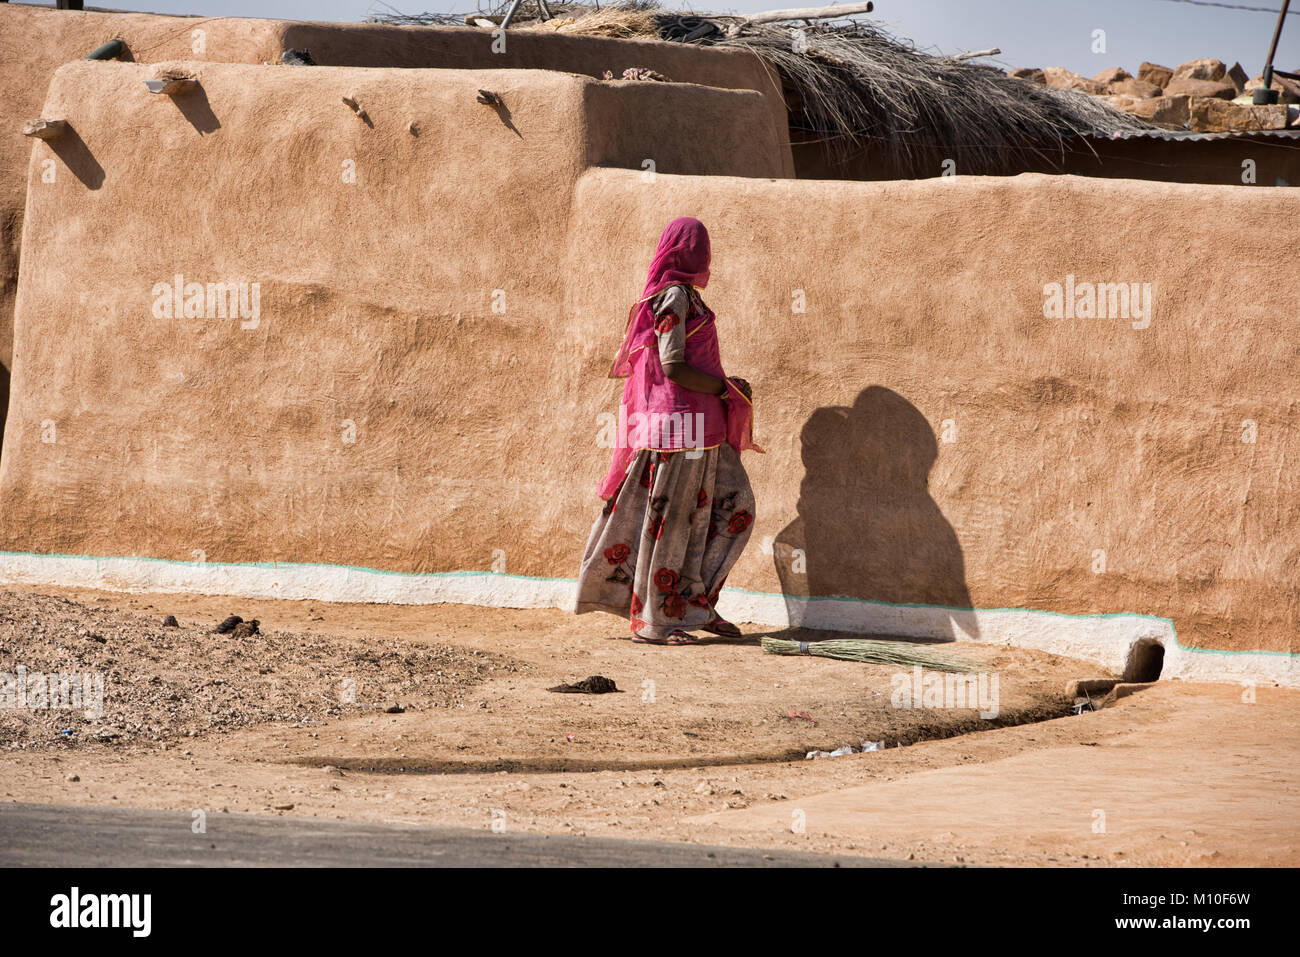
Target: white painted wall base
<point>1107,640</point>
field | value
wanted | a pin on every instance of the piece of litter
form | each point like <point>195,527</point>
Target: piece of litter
<point>596,684</point>
<point>843,749</point>
<point>801,714</point>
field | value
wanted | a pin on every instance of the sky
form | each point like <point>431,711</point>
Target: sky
<point>1035,33</point>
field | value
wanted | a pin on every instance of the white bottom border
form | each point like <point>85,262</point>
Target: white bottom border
<point>1107,640</point>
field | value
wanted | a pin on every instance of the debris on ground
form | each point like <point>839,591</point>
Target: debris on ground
<point>159,684</point>
<point>171,622</point>
<point>843,749</point>
<point>596,684</point>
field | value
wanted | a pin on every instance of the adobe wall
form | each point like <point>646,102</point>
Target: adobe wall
<point>942,457</point>
<point>1093,466</point>
<point>35,41</point>
<point>469,48</point>
<point>169,437</point>
<point>1274,160</point>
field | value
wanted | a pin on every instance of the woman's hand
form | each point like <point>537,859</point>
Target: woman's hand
<point>743,386</point>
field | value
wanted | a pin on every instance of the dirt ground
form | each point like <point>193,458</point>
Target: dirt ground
<point>699,746</point>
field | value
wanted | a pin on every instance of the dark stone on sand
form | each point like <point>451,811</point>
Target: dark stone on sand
<point>596,684</point>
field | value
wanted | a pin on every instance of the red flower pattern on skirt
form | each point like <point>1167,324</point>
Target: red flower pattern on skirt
<point>674,606</point>
<point>666,580</point>
<point>727,508</point>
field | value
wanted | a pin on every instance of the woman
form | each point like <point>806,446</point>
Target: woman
<point>678,506</point>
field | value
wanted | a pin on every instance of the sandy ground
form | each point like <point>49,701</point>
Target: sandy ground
<point>699,746</point>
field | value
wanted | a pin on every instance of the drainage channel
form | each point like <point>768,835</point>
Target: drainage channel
<point>1046,711</point>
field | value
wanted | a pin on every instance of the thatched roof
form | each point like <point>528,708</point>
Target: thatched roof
<point>852,87</point>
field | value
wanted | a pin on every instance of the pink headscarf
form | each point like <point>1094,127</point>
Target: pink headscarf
<point>682,256</point>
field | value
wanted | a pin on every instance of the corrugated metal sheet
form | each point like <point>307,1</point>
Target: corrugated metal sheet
<point>1189,136</point>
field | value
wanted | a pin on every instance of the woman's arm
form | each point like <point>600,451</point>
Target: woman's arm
<point>689,377</point>
<point>671,311</point>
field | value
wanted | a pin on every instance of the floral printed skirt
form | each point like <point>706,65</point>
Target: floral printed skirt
<point>661,549</point>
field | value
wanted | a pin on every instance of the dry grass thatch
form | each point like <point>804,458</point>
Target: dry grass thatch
<point>853,88</point>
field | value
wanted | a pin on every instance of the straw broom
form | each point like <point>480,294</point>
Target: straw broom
<point>870,651</point>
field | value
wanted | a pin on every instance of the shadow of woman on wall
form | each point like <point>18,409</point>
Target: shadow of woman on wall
<point>867,527</point>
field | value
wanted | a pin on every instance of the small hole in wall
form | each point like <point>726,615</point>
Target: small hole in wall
<point>1145,659</point>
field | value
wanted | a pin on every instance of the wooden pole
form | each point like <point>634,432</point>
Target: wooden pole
<point>510,14</point>
<point>1266,94</point>
<point>1272,47</point>
<point>809,13</point>
<point>972,54</point>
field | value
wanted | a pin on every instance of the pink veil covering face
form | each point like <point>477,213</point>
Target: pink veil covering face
<point>682,256</point>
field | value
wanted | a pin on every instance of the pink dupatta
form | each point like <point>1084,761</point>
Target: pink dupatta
<point>682,256</point>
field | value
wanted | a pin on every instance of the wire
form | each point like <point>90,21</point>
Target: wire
<point>1233,6</point>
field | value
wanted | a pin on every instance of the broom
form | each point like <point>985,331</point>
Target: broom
<point>871,651</point>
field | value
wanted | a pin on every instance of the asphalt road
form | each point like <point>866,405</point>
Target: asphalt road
<point>45,835</point>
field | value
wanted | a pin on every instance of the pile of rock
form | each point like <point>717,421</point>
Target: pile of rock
<point>1200,95</point>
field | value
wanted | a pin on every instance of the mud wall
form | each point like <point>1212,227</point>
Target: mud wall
<point>421,388</point>
<point>35,41</point>
<point>935,438</point>
<point>393,389</point>
<point>1274,160</point>
<point>467,48</point>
